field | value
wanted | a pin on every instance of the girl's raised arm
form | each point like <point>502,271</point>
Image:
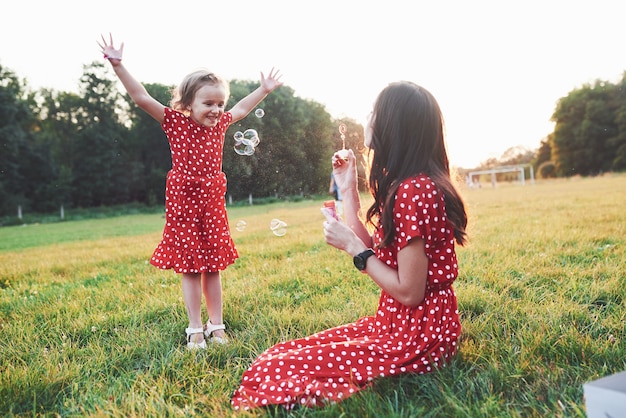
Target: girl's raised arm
<point>135,89</point>
<point>245,105</point>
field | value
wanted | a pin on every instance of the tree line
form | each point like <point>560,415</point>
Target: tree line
<point>589,136</point>
<point>97,148</point>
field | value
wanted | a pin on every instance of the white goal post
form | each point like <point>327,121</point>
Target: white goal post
<point>504,169</point>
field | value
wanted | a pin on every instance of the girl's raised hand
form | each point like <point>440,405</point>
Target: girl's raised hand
<point>109,51</point>
<point>272,81</point>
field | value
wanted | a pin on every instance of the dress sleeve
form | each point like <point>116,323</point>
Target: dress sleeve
<point>226,120</point>
<point>169,117</point>
<point>415,211</point>
<point>172,121</point>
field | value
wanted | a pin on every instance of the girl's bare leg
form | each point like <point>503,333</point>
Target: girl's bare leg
<point>192,294</point>
<point>212,289</point>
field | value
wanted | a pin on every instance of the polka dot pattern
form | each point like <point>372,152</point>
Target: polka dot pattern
<point>196,237</point>
<point>331,365</point>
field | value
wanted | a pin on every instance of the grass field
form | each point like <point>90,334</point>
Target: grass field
<point>89,328</point>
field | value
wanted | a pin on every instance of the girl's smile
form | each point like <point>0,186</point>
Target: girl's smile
<point>208,105</point>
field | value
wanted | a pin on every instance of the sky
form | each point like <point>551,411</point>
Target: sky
<point>497,68</point>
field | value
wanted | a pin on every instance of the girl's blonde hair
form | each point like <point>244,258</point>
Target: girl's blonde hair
<point>183,95</point>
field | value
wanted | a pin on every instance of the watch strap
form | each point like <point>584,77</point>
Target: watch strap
<point>360,260</point>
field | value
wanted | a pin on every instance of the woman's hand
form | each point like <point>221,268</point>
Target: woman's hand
<point>110,52</point>
<point>342,237</point>
<point>344,170</point>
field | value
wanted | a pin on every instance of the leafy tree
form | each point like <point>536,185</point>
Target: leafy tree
<point>16,122</point>
<point>148,150</point>
<point>590,130</point>
<point>295,145</point>
<point>57,114</point>
<point>566,142</point>
<point>597,129</point>
<point>542,161</point>
<point>99,175</point>
<point>314,149</point>
<point>96,147</point>
<point>544,153</point>
<point>618,142</point>
<point>516,155</point>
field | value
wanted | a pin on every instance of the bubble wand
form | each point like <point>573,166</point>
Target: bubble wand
<point>343,153</point>
<point>329,209</point>
<point>342,132</point>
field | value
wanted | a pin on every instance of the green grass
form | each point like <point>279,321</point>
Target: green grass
<point>89,328</point>
<point>38,235</point>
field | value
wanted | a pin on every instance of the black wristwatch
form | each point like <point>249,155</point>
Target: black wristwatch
<point>360,260</point>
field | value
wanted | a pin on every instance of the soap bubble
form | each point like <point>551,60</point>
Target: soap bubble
<point>278,227</point>
<point>246,142</point>
<point>241,225</point>
<point>243,149</point>
<point>251,137</point>
<point>259,113</point>
<point>274,223</point>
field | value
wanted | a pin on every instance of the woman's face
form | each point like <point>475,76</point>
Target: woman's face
<point>369,126</point>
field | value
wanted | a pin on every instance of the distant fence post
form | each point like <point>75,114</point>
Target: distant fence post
<point>19,211</point>
<point>62,213</point>
<point>250,199</point>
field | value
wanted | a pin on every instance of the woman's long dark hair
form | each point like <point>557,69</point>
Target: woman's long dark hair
<point>408,140</point>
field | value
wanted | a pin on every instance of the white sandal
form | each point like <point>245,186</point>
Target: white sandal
<point>209,329</point>
<point>193,345</point>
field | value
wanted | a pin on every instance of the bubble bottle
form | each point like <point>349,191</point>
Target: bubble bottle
<point>329,210</point>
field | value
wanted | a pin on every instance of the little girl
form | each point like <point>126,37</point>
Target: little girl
<point>196,238</point>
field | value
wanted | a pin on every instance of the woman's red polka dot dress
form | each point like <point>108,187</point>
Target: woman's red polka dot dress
<point>333,364</point>
<point>196,237</point>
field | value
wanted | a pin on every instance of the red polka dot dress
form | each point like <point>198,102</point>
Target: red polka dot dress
<point>331,365</point>
<point>196,236</point>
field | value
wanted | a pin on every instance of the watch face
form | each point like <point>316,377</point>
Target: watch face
<point>359,262</point>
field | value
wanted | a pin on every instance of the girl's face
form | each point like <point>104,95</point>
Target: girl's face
<point>368,130</point>
<point>208,105</point>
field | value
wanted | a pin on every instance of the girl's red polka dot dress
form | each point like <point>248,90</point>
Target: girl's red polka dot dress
<point>196,236</point>
<point>331,365</point>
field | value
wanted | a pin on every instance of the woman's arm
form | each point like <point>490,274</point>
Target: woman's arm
<point>346,179</point>
<point>407,284</point>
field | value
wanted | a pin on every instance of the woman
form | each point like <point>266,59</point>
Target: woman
<point>417,215</point>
